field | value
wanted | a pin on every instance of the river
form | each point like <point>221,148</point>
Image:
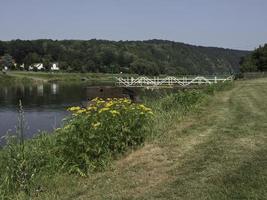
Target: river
<point>44,105</point>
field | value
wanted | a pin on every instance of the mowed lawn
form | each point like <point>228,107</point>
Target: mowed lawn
<point>220,152</point>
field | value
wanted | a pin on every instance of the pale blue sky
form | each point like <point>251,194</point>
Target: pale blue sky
<point>238,24</point>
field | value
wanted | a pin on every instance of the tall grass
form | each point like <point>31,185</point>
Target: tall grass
<point>21,161</point>
<point>17,171</point>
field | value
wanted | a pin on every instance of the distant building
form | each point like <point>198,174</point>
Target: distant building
<point>54,67</point>
<point>37,66</point>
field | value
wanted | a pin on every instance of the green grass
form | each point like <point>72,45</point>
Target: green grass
<point>64,76</point>
<point>9,79</point>
<point>218,150</point>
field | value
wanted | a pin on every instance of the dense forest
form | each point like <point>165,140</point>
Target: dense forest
<point>151,57</point>
<point>256,61</point>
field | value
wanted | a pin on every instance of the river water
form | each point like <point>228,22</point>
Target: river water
<point>44,105</point>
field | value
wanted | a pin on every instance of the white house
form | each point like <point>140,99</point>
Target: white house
<point>39,66</point>
<point>54,67</point>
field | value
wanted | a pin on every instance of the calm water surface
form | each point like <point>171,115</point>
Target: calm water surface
<point>44,105</point>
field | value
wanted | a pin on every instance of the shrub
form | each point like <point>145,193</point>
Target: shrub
<point>104,129</point>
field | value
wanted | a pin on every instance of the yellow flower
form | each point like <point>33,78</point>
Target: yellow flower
<point>81,111</point>
<point>91,108</point>
<point>151,113</point>
<point>126,101</point>
<point>75,108</point>
<point>103,109</point>
<point>109,104</point>
<point>142,106</point>
<point>147,109</point>
<point>67,127</point>
<point>96,99</point>
<point>114,112</point>
<point>95,125</point>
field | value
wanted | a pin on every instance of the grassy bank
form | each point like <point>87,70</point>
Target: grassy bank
<point>199,145</point>
<point>65,77</point>
<point>11,80</point>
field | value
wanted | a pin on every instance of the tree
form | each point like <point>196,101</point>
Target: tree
<point>144,67</point>
<point>47,62</point>
<point>31,58</point>
<point>256,61</point>
<point>125,59</point>
<point>7,61</point>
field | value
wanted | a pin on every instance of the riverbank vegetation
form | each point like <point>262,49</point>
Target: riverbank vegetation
<point>90,140</point>
<point>152,57</point>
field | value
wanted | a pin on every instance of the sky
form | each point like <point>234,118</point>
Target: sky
<point>236,24</point>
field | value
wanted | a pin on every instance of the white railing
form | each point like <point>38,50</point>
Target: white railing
<point>144,81</point>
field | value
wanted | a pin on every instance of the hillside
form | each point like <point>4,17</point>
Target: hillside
<point>150,57</point>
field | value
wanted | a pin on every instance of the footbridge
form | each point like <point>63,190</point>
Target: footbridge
<point>170,81</point>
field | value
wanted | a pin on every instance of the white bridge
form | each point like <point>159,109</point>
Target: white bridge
<point>144,81</point>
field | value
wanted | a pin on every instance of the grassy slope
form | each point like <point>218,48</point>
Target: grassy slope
<point>218,153</point>
<point>61,76</point>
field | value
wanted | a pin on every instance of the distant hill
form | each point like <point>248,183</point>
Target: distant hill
<point>256,61</point>
<point>151,57</point>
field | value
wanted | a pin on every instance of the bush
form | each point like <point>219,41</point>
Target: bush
<point>93,135</point>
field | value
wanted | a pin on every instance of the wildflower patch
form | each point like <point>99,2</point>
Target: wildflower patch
<point>95,134</point>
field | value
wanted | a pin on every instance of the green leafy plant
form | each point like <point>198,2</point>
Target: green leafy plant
<point>93,135</point>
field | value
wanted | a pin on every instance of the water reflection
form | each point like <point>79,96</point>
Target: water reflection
<point>44,105</point>
<point>40,90</point>
<point>54,88</point>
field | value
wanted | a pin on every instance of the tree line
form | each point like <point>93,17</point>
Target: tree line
<point>256,61</point>
<point>151,57</point>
